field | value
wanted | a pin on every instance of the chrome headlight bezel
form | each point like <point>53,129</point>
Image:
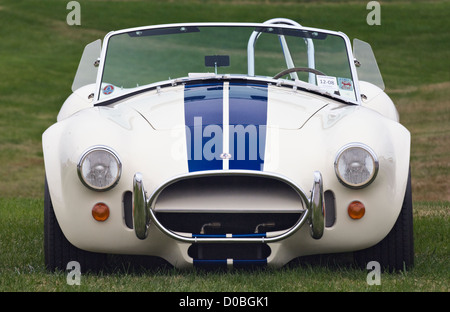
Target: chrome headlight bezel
<point>372,166</point>
<point>112,155</point>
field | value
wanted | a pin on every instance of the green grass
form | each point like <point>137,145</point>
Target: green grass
<point>22,264</point>
<point>39,54</point>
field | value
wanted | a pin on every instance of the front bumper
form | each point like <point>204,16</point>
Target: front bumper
<point>312,210</point>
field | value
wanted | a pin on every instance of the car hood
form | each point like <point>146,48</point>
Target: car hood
<point>229,104</point>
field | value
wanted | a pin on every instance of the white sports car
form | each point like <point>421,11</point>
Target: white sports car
<point>227,144</point>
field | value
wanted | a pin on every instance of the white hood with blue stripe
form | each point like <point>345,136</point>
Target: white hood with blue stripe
<point>226,122</point>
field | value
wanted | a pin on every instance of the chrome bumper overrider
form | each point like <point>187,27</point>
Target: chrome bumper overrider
<point>144,210</point>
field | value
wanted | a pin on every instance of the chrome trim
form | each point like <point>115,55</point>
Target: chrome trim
<point>99,148</point>
<point>141,217</point>
<point>316,205</point>
<point>229,210</point>
<point>367,149</point>
<point>144,208</point>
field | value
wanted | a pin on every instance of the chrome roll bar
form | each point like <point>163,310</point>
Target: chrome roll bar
<point>287,55</point>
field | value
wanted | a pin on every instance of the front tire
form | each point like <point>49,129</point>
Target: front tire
<point>396,251</point>
<point>58,250</point>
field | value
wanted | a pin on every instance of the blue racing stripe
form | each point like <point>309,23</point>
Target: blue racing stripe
<point>248,119</point>
<point>209,235</point>
<point>237,263</point>
<point>254,235</point>
<point>202,263</point>
<point>203,106</point>
<point>250,261</point>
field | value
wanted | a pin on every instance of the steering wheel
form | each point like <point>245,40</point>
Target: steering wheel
<point>298,69</point>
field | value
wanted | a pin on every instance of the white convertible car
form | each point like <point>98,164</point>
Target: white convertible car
<point>229,145</point>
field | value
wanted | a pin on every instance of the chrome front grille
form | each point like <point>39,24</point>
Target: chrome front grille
<point>228,204</point>
<point>244,194</point>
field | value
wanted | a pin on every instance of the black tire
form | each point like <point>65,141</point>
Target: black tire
<point>396,251</point>
<point>58,250</point>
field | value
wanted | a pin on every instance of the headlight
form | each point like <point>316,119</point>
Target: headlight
<point>356,165</point>
<point>99,168</point>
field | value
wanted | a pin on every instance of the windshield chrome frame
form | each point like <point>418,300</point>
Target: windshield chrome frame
<point>98,101</point>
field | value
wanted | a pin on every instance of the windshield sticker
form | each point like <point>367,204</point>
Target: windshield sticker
<point>108,90</point>
<point>327,83</point>
<point>345,84</point>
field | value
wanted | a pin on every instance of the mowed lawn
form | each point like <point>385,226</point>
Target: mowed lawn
<point>39,54</point>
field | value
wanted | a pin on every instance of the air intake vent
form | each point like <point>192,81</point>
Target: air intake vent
<point>330,208</point>
<point>128,209</point>
<point>234,204</point>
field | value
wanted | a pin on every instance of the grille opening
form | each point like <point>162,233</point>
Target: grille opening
<point>226,223</point>
<point>238,251</point>
<point>240,204</point>
<point>127,203</point>
<point>330,208</point>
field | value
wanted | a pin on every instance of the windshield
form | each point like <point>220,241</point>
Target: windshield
<point>145,56</point>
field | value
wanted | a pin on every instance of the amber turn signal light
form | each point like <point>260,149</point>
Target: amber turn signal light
<point>100,212</point>
<point>356,210</point>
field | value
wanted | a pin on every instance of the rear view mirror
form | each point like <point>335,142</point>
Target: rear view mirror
<point>217,61</point>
